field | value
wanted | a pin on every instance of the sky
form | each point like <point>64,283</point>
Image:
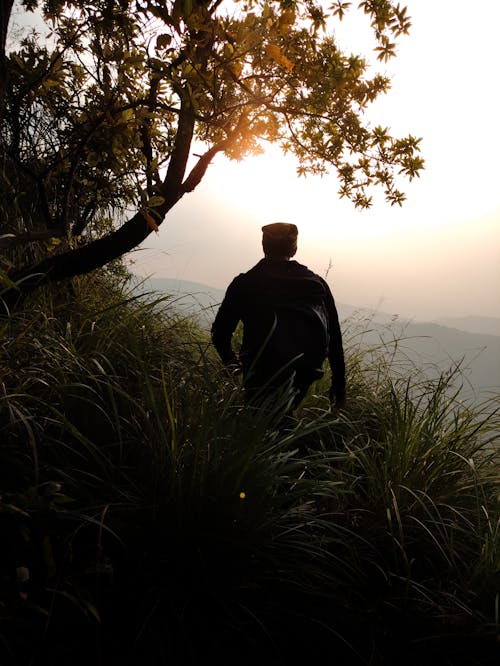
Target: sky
<point>438,255</point>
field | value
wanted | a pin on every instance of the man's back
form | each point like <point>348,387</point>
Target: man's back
<point>281,304</point>
<point>290,322</point>
<point>288,315</point>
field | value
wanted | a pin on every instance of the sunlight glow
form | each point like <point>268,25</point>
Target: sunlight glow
<point>440,252</point>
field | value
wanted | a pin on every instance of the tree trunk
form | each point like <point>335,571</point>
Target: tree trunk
<point>81,260</point>
<point>5,12</point>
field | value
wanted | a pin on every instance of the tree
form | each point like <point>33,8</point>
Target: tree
<point>98,122</point>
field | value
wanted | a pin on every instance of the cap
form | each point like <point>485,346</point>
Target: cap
<point>279,240</point>
<point>280,231</point>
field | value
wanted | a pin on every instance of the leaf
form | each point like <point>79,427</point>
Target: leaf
<point>237,68</point>
<point>19,62</point>
<point>132,61</point>
<point>22,574</point>
<point>162,41</point>
<point>151,223</point>
<point>250,39</point>
<point>92,158</point>
<point>187,7</point>
<point>50,83</point>
<point>126,116</point>
<point>4,278</point>
<point>155,201</point>
<point>48,557</point>
<point>228,50</point>
<point>79,601</point>
<point>340,9</point>
<point>11,508</point>
<point>287,64</point>
<point>286,21</point>
<point>274,52</point>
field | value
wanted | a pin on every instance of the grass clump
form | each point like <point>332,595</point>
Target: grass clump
<point>149,516</point>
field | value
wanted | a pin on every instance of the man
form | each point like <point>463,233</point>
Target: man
<point>290,323</point>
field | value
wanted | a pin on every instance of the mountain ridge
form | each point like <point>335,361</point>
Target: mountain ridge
<point>206,295</point>
<point>427,345</point>
<point>472,324</point>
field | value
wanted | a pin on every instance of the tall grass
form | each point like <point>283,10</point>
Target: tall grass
<point>149,516</point>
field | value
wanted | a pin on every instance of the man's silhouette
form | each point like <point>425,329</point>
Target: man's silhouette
<point>290,323</point>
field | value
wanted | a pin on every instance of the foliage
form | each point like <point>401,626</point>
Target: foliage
<point>99,118</point>
<point>149,516</point>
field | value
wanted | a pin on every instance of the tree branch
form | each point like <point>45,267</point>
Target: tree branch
<point>198,171</point>
<point>12,240</point>
<point>200,168</point>
<point>180,154</point>
<point>5,12</point>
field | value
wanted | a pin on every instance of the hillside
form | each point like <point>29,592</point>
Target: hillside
<point>151,515</point>
<point>192,297</point>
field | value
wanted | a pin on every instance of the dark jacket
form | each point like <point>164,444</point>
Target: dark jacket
<point>255,298</point>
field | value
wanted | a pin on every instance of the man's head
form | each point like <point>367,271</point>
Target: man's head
<point>279,240</point>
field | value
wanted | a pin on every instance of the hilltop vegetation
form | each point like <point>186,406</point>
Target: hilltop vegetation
<point>147,516</point>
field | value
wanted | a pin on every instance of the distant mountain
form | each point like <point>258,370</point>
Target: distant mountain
<point>433,347</point>
<point>429,345</point>
<point>485,325</point>
<point>191,297</point>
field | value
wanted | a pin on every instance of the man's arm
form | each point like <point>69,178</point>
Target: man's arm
<point>335,351</point>
<point>225,323</point>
